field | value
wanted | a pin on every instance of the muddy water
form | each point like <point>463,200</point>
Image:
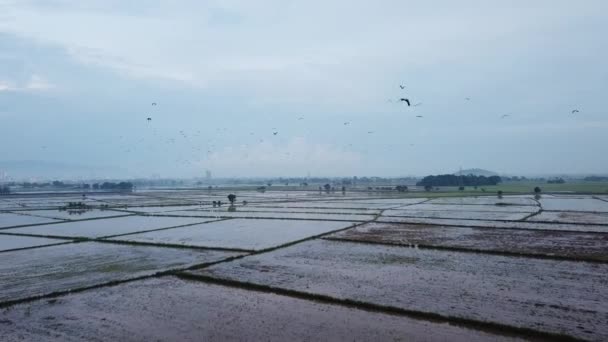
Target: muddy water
<point>549,243</point>
<point>554,296</point>
<point>170,309</point>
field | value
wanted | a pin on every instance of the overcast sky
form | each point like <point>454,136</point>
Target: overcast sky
<point>78,79</point>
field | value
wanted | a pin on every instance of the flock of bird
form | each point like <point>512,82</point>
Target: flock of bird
<point>403,99</point>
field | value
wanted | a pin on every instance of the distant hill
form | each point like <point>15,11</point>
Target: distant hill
<point>476,172</point>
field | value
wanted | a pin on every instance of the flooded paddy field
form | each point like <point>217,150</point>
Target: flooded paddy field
<point>571,217</point>
<point>106,227</point>
<point>562,297</point>
<point>225,213</point>
<point>303,265</point>
<point>457,214</point>
<point>34,272</point>
<point>63,214</point>
<point>239,233</point>
<point>500,224</point>
<point>575,245</point>
<point>11,220</point>
<point>171,309</point>
<point>11,242</point>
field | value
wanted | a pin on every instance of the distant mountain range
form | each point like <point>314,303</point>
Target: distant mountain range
<point>476,172</point>
<point>47,170</point>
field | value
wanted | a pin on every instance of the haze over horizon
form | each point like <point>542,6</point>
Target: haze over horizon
<point>77,83</point>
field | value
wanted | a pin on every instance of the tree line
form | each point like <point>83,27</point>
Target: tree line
<point>454,180</point>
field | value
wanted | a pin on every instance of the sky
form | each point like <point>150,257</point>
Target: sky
<point>78,80</point>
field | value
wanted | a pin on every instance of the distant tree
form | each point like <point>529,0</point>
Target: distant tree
<point>401,188</point>
<point>595,179</point>
<point>327,187</point>
<point>86,186</point>
<point>499,193</point>
<point>461,188</point>
<point>343,189</point>
<point>537,190</point>
<point>460,180</point>
<point>269,184</point>
<point>5,190</point>
<point>96,186</point>
<point>428,188</point>
<point>232,198</point>
<point>58,184</point>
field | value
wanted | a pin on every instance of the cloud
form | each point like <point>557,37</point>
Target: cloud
<point>34,84</point>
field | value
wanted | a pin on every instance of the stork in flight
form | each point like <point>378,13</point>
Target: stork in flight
<point>405,100</point>
<point>575,111</point>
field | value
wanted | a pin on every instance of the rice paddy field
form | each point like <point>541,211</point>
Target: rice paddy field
<point>304,265</point>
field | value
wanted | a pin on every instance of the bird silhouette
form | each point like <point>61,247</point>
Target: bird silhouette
<point>418,104</point>
<point>154,103</point>
<point>401,86</point>
<point>418,116</point>
<point>370,132</point>
<point>300,118</point>
<point>505,115</point>
<point>346,123</point>
<point>405,100</point>
<point>467,98</point>
<point>575,111</point>
<point>275,133</point>
<point>149,119</point>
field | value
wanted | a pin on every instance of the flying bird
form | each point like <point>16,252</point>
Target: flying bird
<point>467,98</point>
<point>418,116</point>
<point>346,123</point>
<point>275,133</point>
<point>154,103</point>
<point>405,100</point>
<point>370,132</point>
<point>575,111</point>
<point>505,115</point>
<point>418,104</point>
<point>149,119</point>
<point>401,86</point>
<point>300,118</point>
